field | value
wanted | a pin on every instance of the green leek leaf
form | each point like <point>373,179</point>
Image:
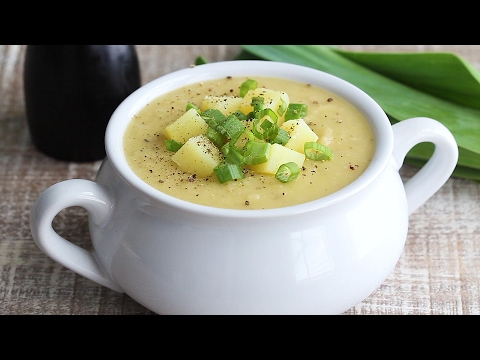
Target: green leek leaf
<point>441,74</point>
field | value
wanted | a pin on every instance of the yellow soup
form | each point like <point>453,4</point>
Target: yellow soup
<point>338,124</point>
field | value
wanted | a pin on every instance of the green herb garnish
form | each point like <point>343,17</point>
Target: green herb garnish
<point>317,152</point>
<point>248,85</point>
<point>287,172</point>
<point>296,111</point>
<point>173,145</point>
<point>227,172</point>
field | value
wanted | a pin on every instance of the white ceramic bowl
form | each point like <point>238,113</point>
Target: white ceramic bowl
<point>175,257</point>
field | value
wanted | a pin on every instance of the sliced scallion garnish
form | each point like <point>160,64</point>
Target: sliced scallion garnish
<point>216,137</point>
<point>267,112</point>
<point>287,172</point>
<point>281,137</point>
<point>200,60</point>
<point>173,145</point>
<point>257,103</point>
<point>240,115</point>
<point>227,172</point>
<point>296,111</point>
<point>256,152</point>
<point>193,106</point>
<point>233,155</point>
<point>247,85</point>
<point>262,128</point>
<point>282,107</point>
<point>232,127</point>
<point>265,124</point>
<point>316,151</point>
<point>213,117</point>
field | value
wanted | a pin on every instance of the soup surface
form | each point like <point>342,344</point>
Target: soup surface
<point>338,124</point>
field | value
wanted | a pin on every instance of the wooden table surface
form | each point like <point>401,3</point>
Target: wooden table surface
<point>438,272</point>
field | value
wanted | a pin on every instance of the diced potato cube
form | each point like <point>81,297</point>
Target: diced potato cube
<point>272,99</point>
<point>198,156</point>
<point>188,125</point>
<point>300,133</point>
<point>225,104</point>
<point>278,155</point>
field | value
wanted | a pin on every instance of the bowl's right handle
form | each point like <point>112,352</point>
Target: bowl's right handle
<point>74,192</point>
<point>438,169</point>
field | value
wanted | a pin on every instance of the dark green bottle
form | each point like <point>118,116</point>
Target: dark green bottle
<point>70,93</point>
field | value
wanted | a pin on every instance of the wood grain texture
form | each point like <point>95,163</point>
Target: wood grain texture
<point>438,272</point>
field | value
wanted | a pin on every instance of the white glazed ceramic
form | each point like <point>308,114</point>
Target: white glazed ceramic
<point>174,257</point>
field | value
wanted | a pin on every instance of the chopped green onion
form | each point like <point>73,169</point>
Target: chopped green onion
<point>288,172</point>
<point>282,107</point>
<point>296,111</point>
<point>225,149</point>
<point>257,103</point>
<point>232,128</point>
<point>216,137</point>
<point>233,155</point>
<point>267,125</point>
<point>256,152</point>
<point>244,138</point>
<point>263,128</point>
<point>281,137</point>
<point>200,60</point>
<point>173,145</point>
<point>240,115</point>
<point>193,106</point>
<point>316,151</point>
<point>247,85</point>
<point>213,117</point>
<point>258,128</point>
<point>267,112</point>
<point>226,172</point>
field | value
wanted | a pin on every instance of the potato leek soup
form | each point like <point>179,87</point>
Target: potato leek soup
<point>278,143</point>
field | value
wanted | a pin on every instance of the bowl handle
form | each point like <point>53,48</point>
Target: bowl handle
<point>74,192</point>
<point>435,173</point>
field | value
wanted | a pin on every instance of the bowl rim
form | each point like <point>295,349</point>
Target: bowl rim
<point>138,99</point>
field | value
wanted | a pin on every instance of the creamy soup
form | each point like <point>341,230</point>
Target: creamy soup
<point>338,124</point>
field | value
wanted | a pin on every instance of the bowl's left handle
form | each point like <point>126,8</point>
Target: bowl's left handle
<point>75,192</point>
